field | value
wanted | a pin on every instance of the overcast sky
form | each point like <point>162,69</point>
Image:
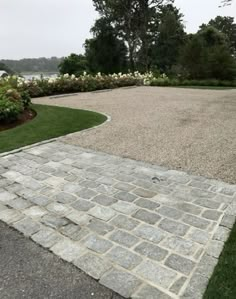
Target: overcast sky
<point>36,28</point>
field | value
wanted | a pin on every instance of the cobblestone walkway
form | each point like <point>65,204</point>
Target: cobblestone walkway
<point>141,230</point>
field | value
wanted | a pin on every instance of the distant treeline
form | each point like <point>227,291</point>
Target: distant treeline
<point>41,64</point>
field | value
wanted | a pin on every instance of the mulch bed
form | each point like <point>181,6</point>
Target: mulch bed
<point>26,116</point>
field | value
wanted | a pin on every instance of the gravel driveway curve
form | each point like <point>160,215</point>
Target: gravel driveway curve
<point>185,129</point>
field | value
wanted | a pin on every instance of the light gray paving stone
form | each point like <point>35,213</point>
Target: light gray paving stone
<point>89,184</point>
<point>108,190</point>
<point>151,251</point>
<point>206,265</point>
<point>198,193</point>
<point>71,188</point>
<point>180,264</point>
<point>124,222</point>
<point>121,282</point>
<point>65,198</point>
<point>106,181</point>
<point>82,205</point>
<point>228,191</point>
<point>215,248</point>
<point>48,191</point>
<point>123,238</point>
<point>74,231</point>
<point>144,193</point>
<point>32,184</point>
<point>143,183</point>
<point>47,237</point>
<point>27,226</point>
<point>100,227</point>
<point>86,193</point>
<point>187,207</point>
<point>207,203</point>
<point>223,199</point>
<point>181,179</point>
<point>126,196</point>
<point>97,244</point>
<point>54,221</point>
<point>196,221</point>
<point>124,207</point>
<point>102,213</point>
<point>5,182</point>
<point>124,257</point>
<point>19,204</point>
<point>173,227</point>
<point>58,208</point>
<point>25,193</point>
<point>67,250</point>
<point>6,197</point>
<point>47,169</point>
<point>146,204</point>
<point>40,176</point>
<point>199,236</point>
<point>196,287</point>
<point>124,178</point>
<point>170,212</point>
<point>2,207</point>
<point>182,194</point>
<point>180,245</point>
<point>92,265</point>
<point>13,188</point>
<point>177,285</point>
<point>40,200</point>
<point>35,212</point>
<point>80,218</point>
<point>104,200</point>
<point>10,215</point>
<point>146,216</point>
<point>228,221</point>
<point>149,292</point>
<point>156,273</point>
<point>212,215</point>
<point>71,178</point>
<point>200,185</point>
<point>124,186</point>
<point>150,233</point>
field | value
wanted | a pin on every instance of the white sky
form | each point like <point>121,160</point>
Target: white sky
<point>37,28</point>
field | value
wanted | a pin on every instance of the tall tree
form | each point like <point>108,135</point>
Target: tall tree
<point>73,65</point>
<point>207,56</point>
<point>105,52</point>
<point>170,39</point>
<point>227,26</point>
<point>133,20</point>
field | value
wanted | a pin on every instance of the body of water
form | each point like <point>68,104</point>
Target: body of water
<point>30,76</point>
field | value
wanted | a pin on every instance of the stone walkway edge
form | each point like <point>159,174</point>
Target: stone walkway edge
<point>140,229</point>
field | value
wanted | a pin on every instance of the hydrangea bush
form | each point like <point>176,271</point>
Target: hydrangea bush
<point>13,101</point>
<point>69,84</point>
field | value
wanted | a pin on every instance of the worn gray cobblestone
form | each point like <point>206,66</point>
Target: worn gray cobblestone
<point>143,230</point>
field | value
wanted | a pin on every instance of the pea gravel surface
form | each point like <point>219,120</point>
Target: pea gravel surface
<point>184,129</point>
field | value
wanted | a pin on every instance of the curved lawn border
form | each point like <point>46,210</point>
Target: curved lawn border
<point>108,119</point>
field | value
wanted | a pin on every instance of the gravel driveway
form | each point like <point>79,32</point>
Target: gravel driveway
<point>185,129</point>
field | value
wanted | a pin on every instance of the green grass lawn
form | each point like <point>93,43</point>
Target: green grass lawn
<point>222,284</point>
<point>50,122</point>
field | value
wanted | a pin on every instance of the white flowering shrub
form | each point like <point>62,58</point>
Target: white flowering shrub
<point>69,84</point>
